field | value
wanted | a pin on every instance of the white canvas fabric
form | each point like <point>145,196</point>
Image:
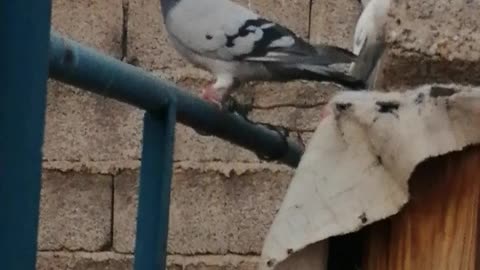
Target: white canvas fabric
<point>356,167</point>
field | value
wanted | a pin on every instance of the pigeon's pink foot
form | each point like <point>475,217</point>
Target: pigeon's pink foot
<point>209,94</point>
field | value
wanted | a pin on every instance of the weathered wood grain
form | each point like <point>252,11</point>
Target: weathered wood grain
<point>438,229</point>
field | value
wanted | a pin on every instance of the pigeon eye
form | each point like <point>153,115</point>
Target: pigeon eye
<point>208,37</point>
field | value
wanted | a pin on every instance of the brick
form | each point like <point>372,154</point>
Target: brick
<point>190,146</point>
<point>92,263</point>
<point>111,131</point>
<point>75,212</point>
<point>80,125</point>
<point>88,261</point>
<point>221,266</point>
<point>293,118</point>
<point>333,22</point>
<point>440,37</point>
<point>125,211</point>
<point>210,212</point>
<point>296,93</point>
<point>115,261</point>
<point>53,261</point>
<point>95,23</point>
<point>83,127</point>
<point>214,262</point>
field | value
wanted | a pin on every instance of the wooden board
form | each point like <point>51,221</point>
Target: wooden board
<point>439,227</point>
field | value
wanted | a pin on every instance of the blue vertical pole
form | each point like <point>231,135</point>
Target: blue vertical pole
<point>24,40</point>
<point>154,191</point>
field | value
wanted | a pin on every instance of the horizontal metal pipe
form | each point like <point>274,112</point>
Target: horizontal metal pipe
<point>83,67</point>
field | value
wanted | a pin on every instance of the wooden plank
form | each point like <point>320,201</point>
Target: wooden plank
<point>438,229</point>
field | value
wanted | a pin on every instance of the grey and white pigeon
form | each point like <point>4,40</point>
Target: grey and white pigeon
<point>236,45</point>
<point>369,40</point>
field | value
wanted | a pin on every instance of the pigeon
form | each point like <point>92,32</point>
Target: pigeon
<point>369,40</point>
<point>236,45</point>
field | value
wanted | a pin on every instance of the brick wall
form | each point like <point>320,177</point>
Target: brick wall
<point>223,197</point>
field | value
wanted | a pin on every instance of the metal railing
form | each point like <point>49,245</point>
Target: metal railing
<point>29,54</point>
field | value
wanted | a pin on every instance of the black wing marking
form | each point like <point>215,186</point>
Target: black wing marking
<point>299,51</point>
<point>271,33</point>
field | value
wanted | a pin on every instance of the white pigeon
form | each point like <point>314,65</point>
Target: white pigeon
<point>369,40</point>
<point>236,45</point>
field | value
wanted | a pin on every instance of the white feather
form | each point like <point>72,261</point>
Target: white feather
<point>267,25</point>
<point>285,41</point>
<point>371,23</point>
<point>369,37</point>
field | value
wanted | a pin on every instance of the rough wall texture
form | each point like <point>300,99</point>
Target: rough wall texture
<point>223,197</point>
<point>432,41</point>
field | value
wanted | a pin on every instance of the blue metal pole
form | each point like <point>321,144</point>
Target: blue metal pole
<point>72,63</point>
<point>154,191</point>
<point>24,32</point>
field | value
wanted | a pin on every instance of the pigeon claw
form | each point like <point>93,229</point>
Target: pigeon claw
<point>209,94</point>
<point>231,105</point>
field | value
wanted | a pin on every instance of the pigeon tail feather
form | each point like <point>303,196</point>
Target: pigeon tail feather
<point>316,73</point>
<point>364,67</point>
<point>340,55</point>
